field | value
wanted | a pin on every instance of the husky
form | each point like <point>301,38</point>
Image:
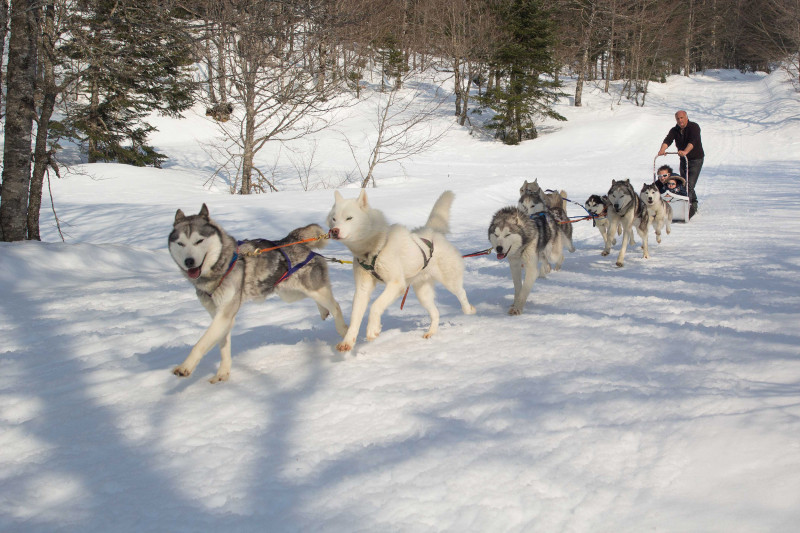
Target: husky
<point>553,198</point>
<point>397,257</point>
<point>627,210</point>
<point>597,206</point>
<point>224,276</point>
<point>532,243</point>
<point>659,212</point>
<point>535,204</point>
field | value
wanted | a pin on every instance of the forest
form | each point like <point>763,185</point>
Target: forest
<point>89,73</point>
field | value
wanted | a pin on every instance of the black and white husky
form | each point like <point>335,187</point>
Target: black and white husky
<point>553,198</point>
<point>597,206</point>
<point>533,243</point>
<point>659,211</point>
<point>625,209</point>
<point>398,257</point>
<point>225,275</point>
<point>536,204</point>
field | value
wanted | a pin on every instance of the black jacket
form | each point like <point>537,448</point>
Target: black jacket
<point>690,134</point>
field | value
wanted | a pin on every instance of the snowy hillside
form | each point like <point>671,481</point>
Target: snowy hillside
<point>662,396</point>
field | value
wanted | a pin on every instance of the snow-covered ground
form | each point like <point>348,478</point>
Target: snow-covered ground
<point>662,396</point>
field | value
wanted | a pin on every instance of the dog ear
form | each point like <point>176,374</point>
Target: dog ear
<point>204,211</point>
<point>337,196</point>
<point>524,185</point>
<point>362,199</point>
<point>179,217</point>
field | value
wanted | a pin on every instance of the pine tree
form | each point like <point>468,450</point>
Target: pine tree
<point>522,58</point>
<point>136,56</point>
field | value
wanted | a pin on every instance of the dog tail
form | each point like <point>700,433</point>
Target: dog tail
<point>563,195</point>
<point>312,231</point>
<point>439,219</point>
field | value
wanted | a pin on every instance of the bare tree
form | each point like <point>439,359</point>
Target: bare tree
<point>404,126</point>
<point>271,52</point>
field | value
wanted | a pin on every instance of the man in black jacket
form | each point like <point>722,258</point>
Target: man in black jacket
<point>687,139</point>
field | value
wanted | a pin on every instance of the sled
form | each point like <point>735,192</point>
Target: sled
<point>680,204</point>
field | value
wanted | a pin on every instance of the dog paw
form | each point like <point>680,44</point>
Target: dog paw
<point>182,372</point>
<point>428,334</point>
<point>620,263</point>
<point>220,377</point>
<point>645,255</point>
<point>344,346</point>
<point>470,311</point>
<point>606,252</point>
<point>613,241</point>
<point>658,239</point>
<point>514,311</point>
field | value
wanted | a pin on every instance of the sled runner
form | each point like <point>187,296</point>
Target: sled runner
<point>679,203</point>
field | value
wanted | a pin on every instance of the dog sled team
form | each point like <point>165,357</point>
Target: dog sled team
<point>532,235</point>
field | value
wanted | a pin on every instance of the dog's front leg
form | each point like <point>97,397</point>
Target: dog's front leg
<point>643,235</point>
<point>393,290</point>
<point>365,284</point>
<point>217,333</point>
<point>609,238</point>
<point>525,290</point>
<point>626,238</point>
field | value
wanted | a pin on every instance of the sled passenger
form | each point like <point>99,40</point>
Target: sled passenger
<point>663,174</point>
<point>675,185</point>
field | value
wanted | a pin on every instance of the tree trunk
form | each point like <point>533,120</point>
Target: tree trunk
<point>687,59</point>
<point>41,154</point>
<point>18,121</point>
<point>3,35</point>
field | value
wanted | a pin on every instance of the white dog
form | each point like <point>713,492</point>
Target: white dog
<point>659,212</point>
<point>397,257</point>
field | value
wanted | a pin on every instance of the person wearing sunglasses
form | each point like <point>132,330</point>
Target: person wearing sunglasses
<point>686,136</point>
<point>675,186</point>
<point>662,174</point>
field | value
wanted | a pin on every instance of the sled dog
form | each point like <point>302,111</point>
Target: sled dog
<point>532,243</point>
<point>553,198</point>
<point>598,206</point>
<point>397,257</point>
<point>535,204</point>
<point>626,209</point>
<point>659,212</point>
<point>224,276</point>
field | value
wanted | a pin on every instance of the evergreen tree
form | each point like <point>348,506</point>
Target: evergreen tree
<point>523,56</point>
<point>135,56</point>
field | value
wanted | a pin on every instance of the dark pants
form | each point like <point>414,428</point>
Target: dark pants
<point>694,172</point>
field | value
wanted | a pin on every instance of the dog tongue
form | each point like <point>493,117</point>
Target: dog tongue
<point>194,273</point>
<point>501,256</point>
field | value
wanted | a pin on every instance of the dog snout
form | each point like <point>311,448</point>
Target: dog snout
<point>334,233</point>
<point>499,249</point>
<point>189,262</point>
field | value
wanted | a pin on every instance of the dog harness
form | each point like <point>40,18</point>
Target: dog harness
<point>370,267</point>
<point>290,269</point>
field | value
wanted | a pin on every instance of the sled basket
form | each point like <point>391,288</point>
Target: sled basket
<point>680,204</point>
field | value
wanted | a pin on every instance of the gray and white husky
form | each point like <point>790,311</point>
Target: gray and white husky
<point>553,198</point>
<point>398,257</point>
<point>536,203</point>
<point>659,212</point>
<point>625,209</point>
<point>225,275</point>
<point>532,243</point>
<point>597,206</point>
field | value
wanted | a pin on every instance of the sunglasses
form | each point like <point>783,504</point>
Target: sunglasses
<point>672,184</point>
<point>663,175</point>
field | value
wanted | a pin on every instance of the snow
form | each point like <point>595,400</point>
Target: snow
<point>662,396</point>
